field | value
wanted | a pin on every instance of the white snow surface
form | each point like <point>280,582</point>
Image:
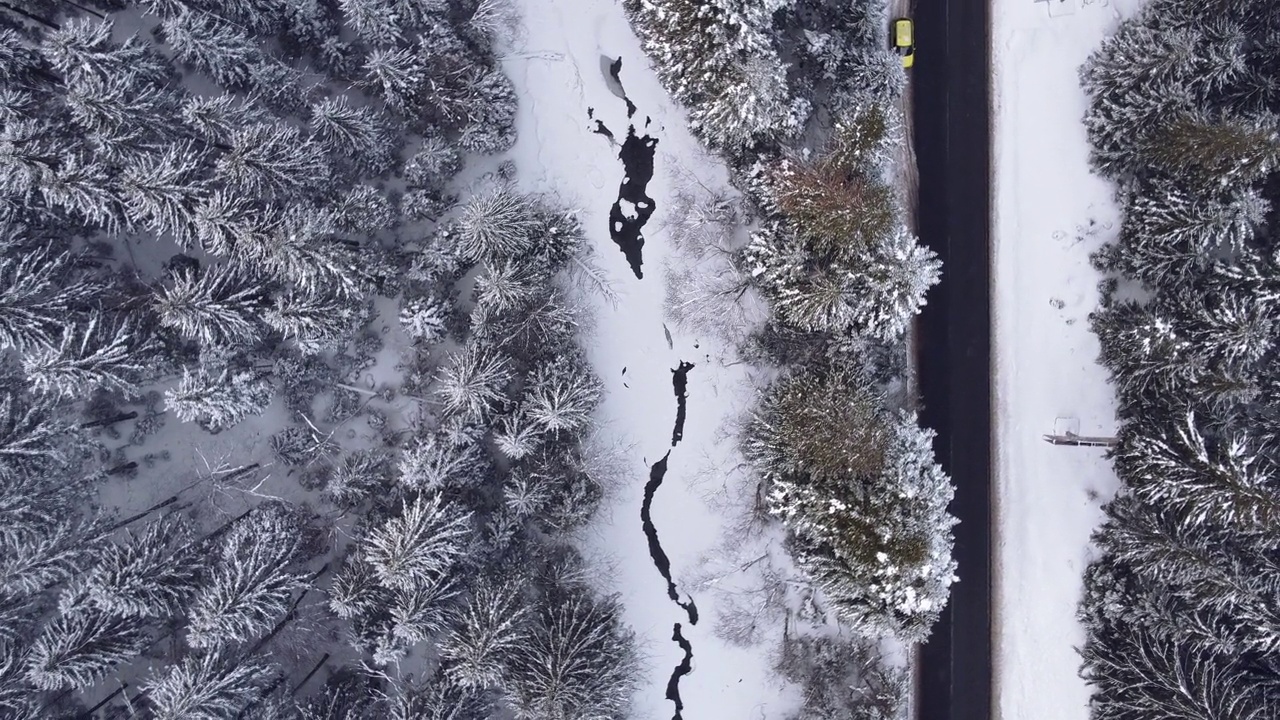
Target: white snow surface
<point>1051,212</point>
<point>558,63</point>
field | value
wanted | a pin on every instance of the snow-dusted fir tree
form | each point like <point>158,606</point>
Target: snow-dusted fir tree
<point>39,293</point>
<point>484,632</point>
<point>562,394</point>
<point>357,477</point>
<point>80,648</point>
<point>423,317</point>
<point>440,699</point>
<point>357,132</point>
<point>147,575</point>
<point>576,662</point>
<point>496,224</point>
<point>436,464</point>
<point>218,398</point>
<point>212,46</point>
<point>98,353</point>
<point>419,544</point>
<point>865,502</point>
<point>250,586</point>
<point>206,686</point>
<point>314,323</point>
<point>218,306</point>
<point>474,382</point>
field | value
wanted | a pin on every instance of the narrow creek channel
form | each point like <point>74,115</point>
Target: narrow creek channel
<point>680,385</point>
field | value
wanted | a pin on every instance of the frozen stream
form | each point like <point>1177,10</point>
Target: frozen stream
<point>614,156</point>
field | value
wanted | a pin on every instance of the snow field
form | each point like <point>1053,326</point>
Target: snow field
<point>1051,212</point>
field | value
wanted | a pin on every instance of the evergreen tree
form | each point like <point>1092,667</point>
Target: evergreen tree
<point>206,686</point>
<point>420,612</point>
<point>576,662</point>
<point>162,191</point>
<point>251,585</point>
<point>562,395</point>
<point>98,353</point>
<point>420,544</point>
<point>495,225</point>
<point>81,648</point>
<point>423,317</point>
<point>313,323</point>
<point>218,398</point>
<point>272,159</point>
<point>441,700</point>
<point>396,75</point>
<point>214,47</point>
<point>359,133</point>
<point>86,46</point>
<point>216,117</point>
<point>436,464</point>
<point>146,576</point>
<point>39,292</point>
<point>357,477</point>
<point>484,633</point>
<point>218,306</point>
<point>474,382</point>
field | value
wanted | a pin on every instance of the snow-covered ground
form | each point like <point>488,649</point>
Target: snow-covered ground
<point>559,63</point>
<point>1050,213</point>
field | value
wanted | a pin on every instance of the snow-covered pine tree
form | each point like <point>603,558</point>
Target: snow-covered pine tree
<point>251,584</point>
<point>39,292</point>
<point>437,465</point>
<point>518,435</point>
<point>206,686</point>
<point>419,544</point>
<point>215,117</point>
<point>440,699</point>
<point>423,317</point>
<point>562,395</point>
<point>149,575</point>
<point>211,46</point>
<point>86,45</point>
<point>359,133</point>
<point>314,323</point>
<point>496,224</point>
<point>420,612</point>
<point>97,353</point>
<point>484,632</point>
<point>78,649</point>
<point>865,502</point>
<point>474,382</point>
<point>396,75</point>
<point>576,662</point>
<point>218,398</point>
<point>269,159</point>
<point>161,191</point>
<point>217,306</point>
<point>434,164</point>
<point>1220,152</point>
<point>356,477</point>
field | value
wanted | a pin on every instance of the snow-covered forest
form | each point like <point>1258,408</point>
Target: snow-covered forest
<point>1181,606</point>
<point>297,414</point>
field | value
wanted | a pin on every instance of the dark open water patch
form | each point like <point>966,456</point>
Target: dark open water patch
<point>684,668</point>
<point>680,381</point>
<point>624,227</point>
<point>633,207</point>
<point>660,560</point>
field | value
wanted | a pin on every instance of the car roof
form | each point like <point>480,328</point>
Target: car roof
<point>903,28</point>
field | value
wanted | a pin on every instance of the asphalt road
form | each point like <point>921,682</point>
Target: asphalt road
<point>950,112</point>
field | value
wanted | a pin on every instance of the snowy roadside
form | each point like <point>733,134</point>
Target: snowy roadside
<point>1051,212</point>
<point>560,67</point>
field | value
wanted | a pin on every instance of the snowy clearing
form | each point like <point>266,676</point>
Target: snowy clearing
<point>568,101</point>
<point>1051,212</point>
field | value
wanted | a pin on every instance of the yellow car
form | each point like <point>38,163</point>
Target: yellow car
<point>904,40</point>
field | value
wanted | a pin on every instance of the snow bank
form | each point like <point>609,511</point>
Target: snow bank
<point>1050,213</point>
<point>560,64</point>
